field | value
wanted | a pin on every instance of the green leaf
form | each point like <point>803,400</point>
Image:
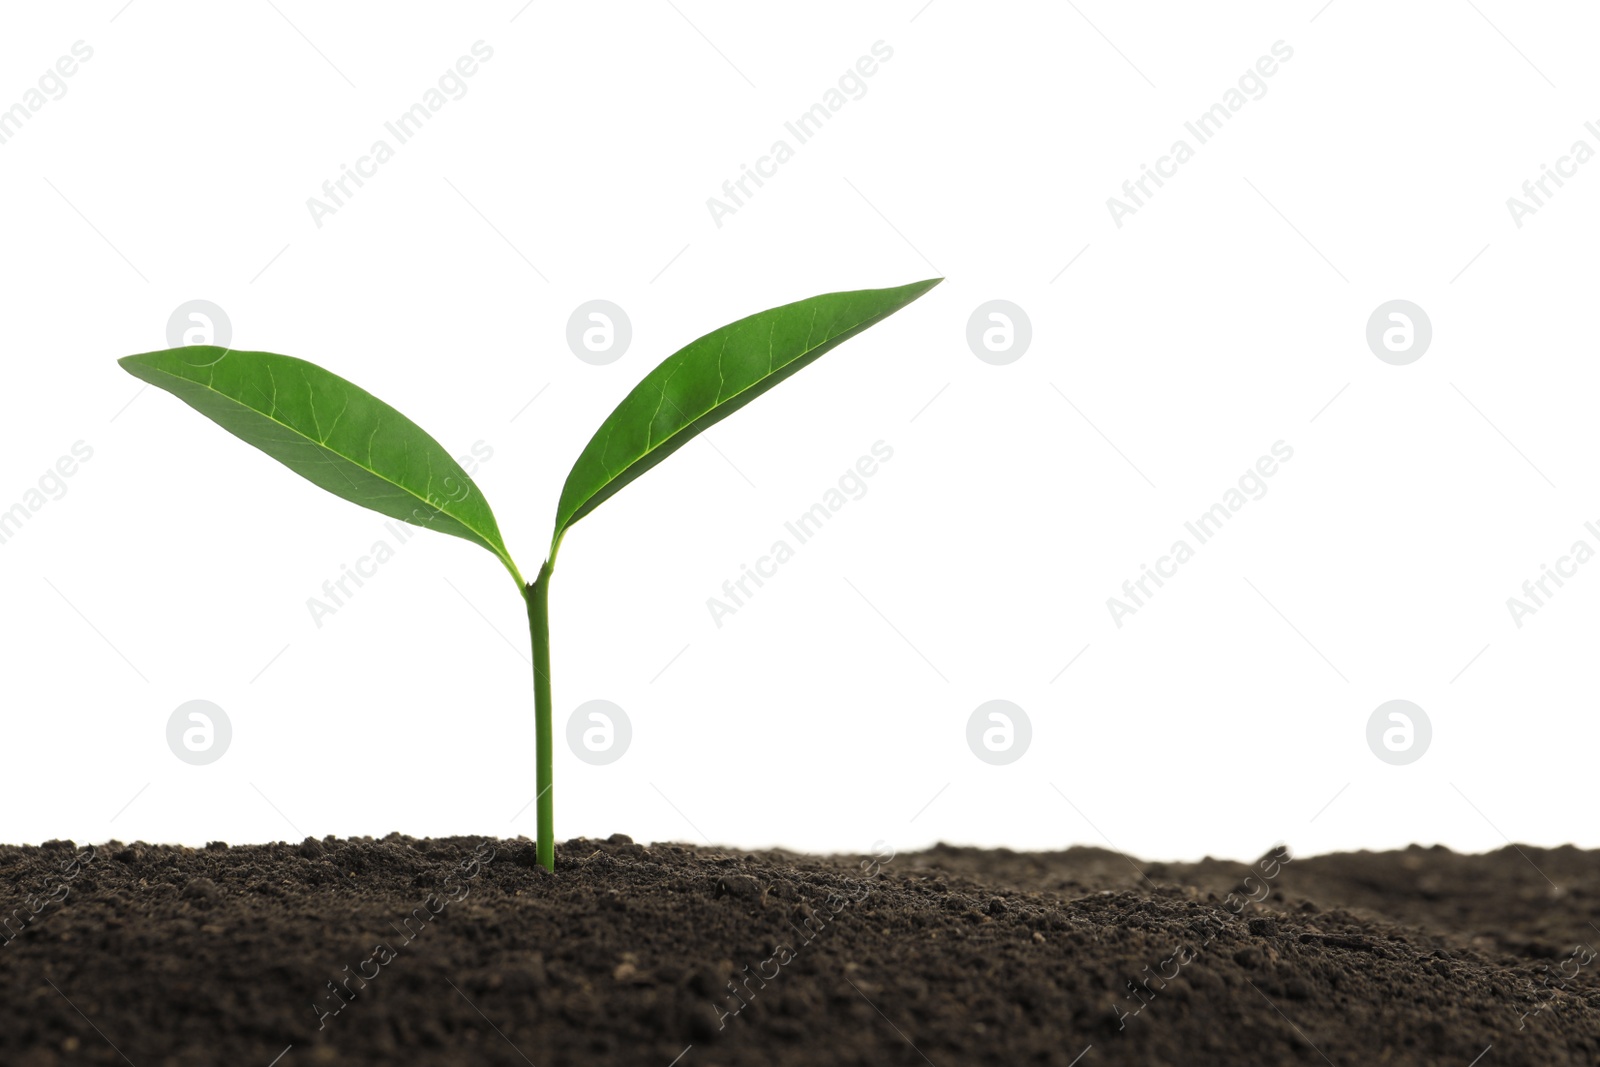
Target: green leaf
<point>329,431</point>
<point>709,379</point>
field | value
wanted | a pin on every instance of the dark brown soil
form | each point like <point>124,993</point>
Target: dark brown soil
<point>156,956</point>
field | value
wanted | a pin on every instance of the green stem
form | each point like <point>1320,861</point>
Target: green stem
<point>538,597</point>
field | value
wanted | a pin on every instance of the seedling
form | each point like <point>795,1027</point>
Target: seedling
<point>347,441</point>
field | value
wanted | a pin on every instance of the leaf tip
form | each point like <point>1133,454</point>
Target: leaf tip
<point>919,289</point>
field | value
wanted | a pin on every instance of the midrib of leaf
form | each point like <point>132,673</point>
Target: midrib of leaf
<point>651,448</point>
<point>322,445</point>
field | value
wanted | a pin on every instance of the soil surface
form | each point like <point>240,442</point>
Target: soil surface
<point>463,951</point>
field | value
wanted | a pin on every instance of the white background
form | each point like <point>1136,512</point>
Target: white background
<point>1226,715</point>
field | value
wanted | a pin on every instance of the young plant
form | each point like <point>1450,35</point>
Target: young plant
<point>347,441</point>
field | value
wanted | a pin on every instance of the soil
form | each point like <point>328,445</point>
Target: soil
<point>459,951</point>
